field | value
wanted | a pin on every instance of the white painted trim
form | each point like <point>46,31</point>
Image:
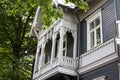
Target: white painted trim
<point>118,28</point>
<point>60,53</point>
<point>75,44</point>
<point>36,59</point>
<point>53,48</point>
<point>118,21</point>
<point>54,71</point>
<point>118,32</point>
<point>67,71</point>
<point>117,40</point>
<point>94,15</point>
<point>89,20</point>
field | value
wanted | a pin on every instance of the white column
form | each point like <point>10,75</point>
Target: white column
<point>42,55</point>
<point>118,22</point>
<point>36,59</point>
<point>60,53</point>
<point>118,32</point>
<point>74,34</point>
<point>53,48</point>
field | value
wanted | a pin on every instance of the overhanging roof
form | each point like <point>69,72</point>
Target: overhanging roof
<point>37,23</point>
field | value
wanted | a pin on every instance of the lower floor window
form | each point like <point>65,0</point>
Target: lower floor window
<point>100,78</point>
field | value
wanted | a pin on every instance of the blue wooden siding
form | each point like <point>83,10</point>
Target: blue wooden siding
<point>84,36</point>
<point>109,71</point>
<point>108,24</point>
<point>117,2</point>
<point>108,20</point>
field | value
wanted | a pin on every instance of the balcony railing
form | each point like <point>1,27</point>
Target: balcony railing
<point>98,56</point>
<point>65,62</point>
<point>68,62</point>
<point>98,53</point>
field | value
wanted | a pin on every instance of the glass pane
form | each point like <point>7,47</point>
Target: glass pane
<point>92,39</point>
<point>63,52</point>
<point>98,36</point>
<point>64,44</point>
<point>97,21</point>
<point>92,25</point>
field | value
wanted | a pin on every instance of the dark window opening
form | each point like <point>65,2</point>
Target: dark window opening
<point>70,41</point>
<point>57,45</point>
<point>48,49</point>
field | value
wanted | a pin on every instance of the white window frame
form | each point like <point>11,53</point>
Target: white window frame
<point>89,20</point>
<point>100,78</point>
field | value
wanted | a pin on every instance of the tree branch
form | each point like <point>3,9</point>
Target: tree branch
<point>24,29</point>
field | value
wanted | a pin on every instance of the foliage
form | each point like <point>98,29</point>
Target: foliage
<point>15,20</point>
<point>80,4</point>
<point>22,72</point>
<point>16,17</point>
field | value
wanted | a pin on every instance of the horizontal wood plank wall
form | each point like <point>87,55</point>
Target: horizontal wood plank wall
<point>108,24</point>
<point>109,71</point>
<point>108,20</point>
<point>117,3</point>
<point>84,36</point>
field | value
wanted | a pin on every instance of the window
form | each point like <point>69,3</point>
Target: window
<point>48,48</point>
<point>57,46</point>
<point>94,30</point>
<point>100,78</point>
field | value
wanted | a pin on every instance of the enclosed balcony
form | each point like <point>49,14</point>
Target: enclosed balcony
<point>56,50</point>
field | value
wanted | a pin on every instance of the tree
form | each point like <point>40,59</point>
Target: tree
<point>15,20</point>
<point>16,17</point>
<point>81,4</point>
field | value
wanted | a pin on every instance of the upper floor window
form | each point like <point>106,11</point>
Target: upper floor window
<point>94,30</point>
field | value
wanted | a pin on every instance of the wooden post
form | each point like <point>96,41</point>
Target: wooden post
<point>53,48</point>
<point>41,56</point>
<point>60,53</point>
<point>74,34</point>
<point>36,60</point>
